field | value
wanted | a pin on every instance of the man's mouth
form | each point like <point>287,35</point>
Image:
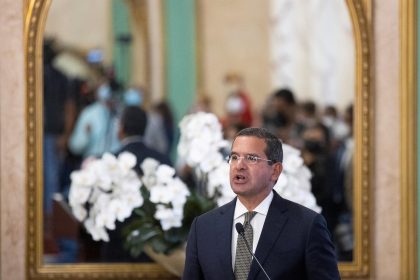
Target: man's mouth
<point>239,178</point>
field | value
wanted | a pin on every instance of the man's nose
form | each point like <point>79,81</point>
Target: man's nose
<point>241,162</point>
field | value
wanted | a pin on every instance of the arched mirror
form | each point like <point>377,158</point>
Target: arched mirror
<point>127,35</point>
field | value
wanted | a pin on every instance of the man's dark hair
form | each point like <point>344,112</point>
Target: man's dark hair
<point>274,148</point>
<point>285,94</point>
<point>133,121</point>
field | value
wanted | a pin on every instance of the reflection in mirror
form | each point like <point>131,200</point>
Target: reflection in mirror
<point>294,63</point>
<point>312,79</point>
<point>86,79</point>
<point>302,87</point>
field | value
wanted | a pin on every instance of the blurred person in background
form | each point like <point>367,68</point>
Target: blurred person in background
<point>59,116</point>
<point>132,127</point>
<point>96,128</point>
<point>338,128</point>
<point>307,115</point>
<point>238,108</point>
<point>155,134</point>
<point>279,116</point>
<point>316,156</point>
<point>343,190</point>
<point>164,110</point>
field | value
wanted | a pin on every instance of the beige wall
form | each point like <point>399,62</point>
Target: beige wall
<point>386,182</point>
<point>94,30</point>
<point>386,190</point>
<point>12,141</point>
<point>231,41</point>
<point>87,30</point>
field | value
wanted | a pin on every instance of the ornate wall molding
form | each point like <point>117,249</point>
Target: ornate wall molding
<point>408,135</point>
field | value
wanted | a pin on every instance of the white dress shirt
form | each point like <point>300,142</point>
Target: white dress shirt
<point>257,222</point>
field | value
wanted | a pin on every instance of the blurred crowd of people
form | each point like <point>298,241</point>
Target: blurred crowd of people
<point>324,135</point>
<point>82,119</point>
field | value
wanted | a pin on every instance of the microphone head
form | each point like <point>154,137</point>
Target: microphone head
<point>240,228</point>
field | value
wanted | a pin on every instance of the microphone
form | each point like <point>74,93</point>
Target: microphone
<point>241,231</point>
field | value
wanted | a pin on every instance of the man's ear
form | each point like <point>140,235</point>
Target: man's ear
<point>278,168</point>
<point>120,132</point>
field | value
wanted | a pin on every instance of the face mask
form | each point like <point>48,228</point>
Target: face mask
<point>328,121</point>
<point>104,93</point>
<point>133,97</point>
<point>314,146</point>
<point>234,105</point>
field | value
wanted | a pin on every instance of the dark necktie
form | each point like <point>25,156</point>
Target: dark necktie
<point>243,257</point>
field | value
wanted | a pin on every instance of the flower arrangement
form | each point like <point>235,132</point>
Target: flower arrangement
<point>158,206</point>
<point>103,191</point>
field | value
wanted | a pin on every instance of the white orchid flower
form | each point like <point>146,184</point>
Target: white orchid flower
<point>78,195</point>
<point>79,212</point>
<point>106,218</point>
<point>149,166</point>
<point>168,218</point>
<point>82,178</point>
<point>164,174</point>
<point>132,199</point>
<point>161,194</point>
<point>98,233</point>
<point>120,208</point>
<point>127,161</point>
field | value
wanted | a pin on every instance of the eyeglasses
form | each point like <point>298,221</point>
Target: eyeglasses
<point>249,159</point>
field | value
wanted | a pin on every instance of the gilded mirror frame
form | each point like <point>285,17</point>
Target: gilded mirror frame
<point>360,266</point>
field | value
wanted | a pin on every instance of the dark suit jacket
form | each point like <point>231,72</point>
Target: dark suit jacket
<point>294,244</point>
<point>141,151</point>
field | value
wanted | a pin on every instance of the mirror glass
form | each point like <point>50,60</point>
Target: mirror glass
<point>292,66</point>
<point>81,52</point>
<point>281,64</point>
<point>302,89</point>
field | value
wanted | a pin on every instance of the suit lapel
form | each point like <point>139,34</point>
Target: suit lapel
<point>273,226</point>
<point>224,235</point>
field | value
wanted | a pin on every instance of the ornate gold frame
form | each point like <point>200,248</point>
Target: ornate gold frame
<point>363,131</point>
<point>36,269</point>
<point>360,266</point>
<point>408,132</point>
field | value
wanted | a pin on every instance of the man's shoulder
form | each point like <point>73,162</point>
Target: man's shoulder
<point>142,151</point>
<point>295,208</point>
<point>92,109</point>
<point>217,212</point>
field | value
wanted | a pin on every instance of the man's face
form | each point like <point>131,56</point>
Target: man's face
<point>252,181</point>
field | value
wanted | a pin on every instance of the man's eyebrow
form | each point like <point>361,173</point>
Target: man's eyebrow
<point>252,154</point>
<point>247,154</point>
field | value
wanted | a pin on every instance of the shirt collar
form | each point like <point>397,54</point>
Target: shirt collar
<point>262,208</point>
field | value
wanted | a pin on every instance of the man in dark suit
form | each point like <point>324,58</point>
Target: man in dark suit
<point>133,125</point>
<point>131,131</point>
<point>289,240</point>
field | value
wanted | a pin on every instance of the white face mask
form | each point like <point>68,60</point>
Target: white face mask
<point>328,121</point>
<point>234,105</point>
<point>104,93</point>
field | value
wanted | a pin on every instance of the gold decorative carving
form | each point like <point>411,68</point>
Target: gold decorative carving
<point>363,112</point>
